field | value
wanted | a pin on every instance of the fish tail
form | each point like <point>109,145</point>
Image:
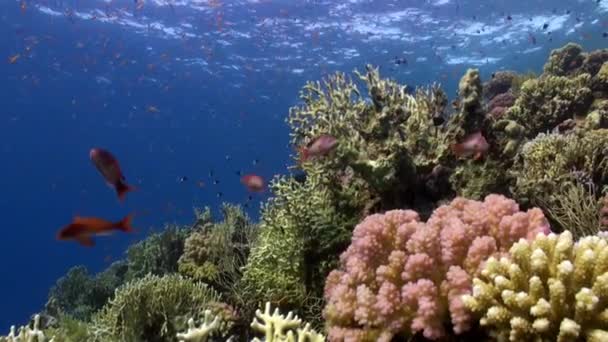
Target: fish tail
<point>303,154</point>
<point>122,189</point>
<point>125,224</point>
<point>457,149</point>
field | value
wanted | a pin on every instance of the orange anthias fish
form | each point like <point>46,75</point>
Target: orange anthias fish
<point>319,146</point>
<point>82,229</point>
<point>110,170</point>
<point>474,145</point>
<point>254,183</point>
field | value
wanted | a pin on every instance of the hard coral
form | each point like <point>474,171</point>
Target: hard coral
<point>546,102</point>
<point>401,276</point>
<point>150,309</point>
<point>554,161</point>
<point>280,328</point>
<point>549,289</point>
<point>215,251</point>
<point>499,84</point>
<point>565,60</point>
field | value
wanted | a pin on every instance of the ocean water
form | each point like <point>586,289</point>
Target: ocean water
<point>201,89</point>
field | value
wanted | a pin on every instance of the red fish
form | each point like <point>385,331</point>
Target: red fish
<point>110,170</point>
<point>82,229</point>
<point>254,183</point>
<point>319,146</point>
<point>473,145</point>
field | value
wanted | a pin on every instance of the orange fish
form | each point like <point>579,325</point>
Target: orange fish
<point>14,58</point>
<point>82,229</point>
<point>110,170</point>
<point>319,146</point>
<point>473,145</point>
<point>254,183</point>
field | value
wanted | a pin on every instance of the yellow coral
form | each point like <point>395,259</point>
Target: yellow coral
<point>549,289</point>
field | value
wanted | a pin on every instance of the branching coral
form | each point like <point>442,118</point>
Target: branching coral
<point>201,333</point>
<point>564,60</point>
<point>401,276</point>
<point>299,232</point>
<point>546,102</point>
<point>549,289</point>
<point>151,309</point>
<point>79,295</point>
<point>215,252</point>
<point>551,163</point>
<point>26,334</point>
<point>157,254</point>
<point>280,328</point>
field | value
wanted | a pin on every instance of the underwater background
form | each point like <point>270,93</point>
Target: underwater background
<point>191,94</point>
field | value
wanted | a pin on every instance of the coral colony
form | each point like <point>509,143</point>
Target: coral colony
<point>481,219</point>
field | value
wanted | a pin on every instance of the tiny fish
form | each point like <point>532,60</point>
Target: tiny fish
<point>254,183</point>
<point>473,145</point>
<point>109,168</point>
<point>319,146</point>
<point>82,229</point>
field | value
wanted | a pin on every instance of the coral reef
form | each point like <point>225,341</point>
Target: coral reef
<point>500,83</point>
<point>280,328</point>
<point>149,309</point>
<point>209,325</point>
<point>215,252</point>
<point>549,289</point>
<point>79,295</point>
<point>401,276</point>
<point>27,334</point>
<point>157,254</point>
<point>564,60</point>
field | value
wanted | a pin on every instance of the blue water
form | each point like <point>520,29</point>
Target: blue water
<point>222,75</point>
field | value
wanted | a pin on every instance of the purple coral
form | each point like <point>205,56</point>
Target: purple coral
<point>403,276</point>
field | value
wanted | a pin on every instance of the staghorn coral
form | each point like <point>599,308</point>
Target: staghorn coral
<point>280,328</point>
<point>300,232</point>
<point>26,334</point>
<point>401,276</point>
<point>215,251</point>
<point>550,163</point>
<point>209,325</point>
<point>565,60</point>
<point>151,309</point>
<point>548,289</point>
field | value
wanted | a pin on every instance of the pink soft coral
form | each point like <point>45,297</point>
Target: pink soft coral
<point>402,276</point>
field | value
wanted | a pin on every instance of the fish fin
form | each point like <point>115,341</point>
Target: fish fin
<point>122,189</point>
<point>457,150</point>
<point>303,154</point>
<point>85,240</point>
<point>125,224</point>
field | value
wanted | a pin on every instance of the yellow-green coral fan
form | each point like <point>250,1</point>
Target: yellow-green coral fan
<point>549,289</point>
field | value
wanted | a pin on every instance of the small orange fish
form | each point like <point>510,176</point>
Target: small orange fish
<point>13,59</point>
<point>254,183</point>
<point>319,146</point>
<point>82,229</point>
<point>109,168</point>
<point>473,145</point>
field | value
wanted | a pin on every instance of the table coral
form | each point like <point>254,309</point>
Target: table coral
<point>401,276</point>
<point>548,289</point>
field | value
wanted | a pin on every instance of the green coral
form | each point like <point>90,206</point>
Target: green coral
<point>158,254</point>
<point>546,102</point>
<point>151,309</point>
<point>215,252</point>
<point>476,180</point>
<point>565,60</point>
<point>550,289</point>
<point>554,161</point>
<point>79,295</point>
<point>69,329</point>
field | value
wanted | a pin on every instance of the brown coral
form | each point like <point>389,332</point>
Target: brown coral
<point>499,84</point>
